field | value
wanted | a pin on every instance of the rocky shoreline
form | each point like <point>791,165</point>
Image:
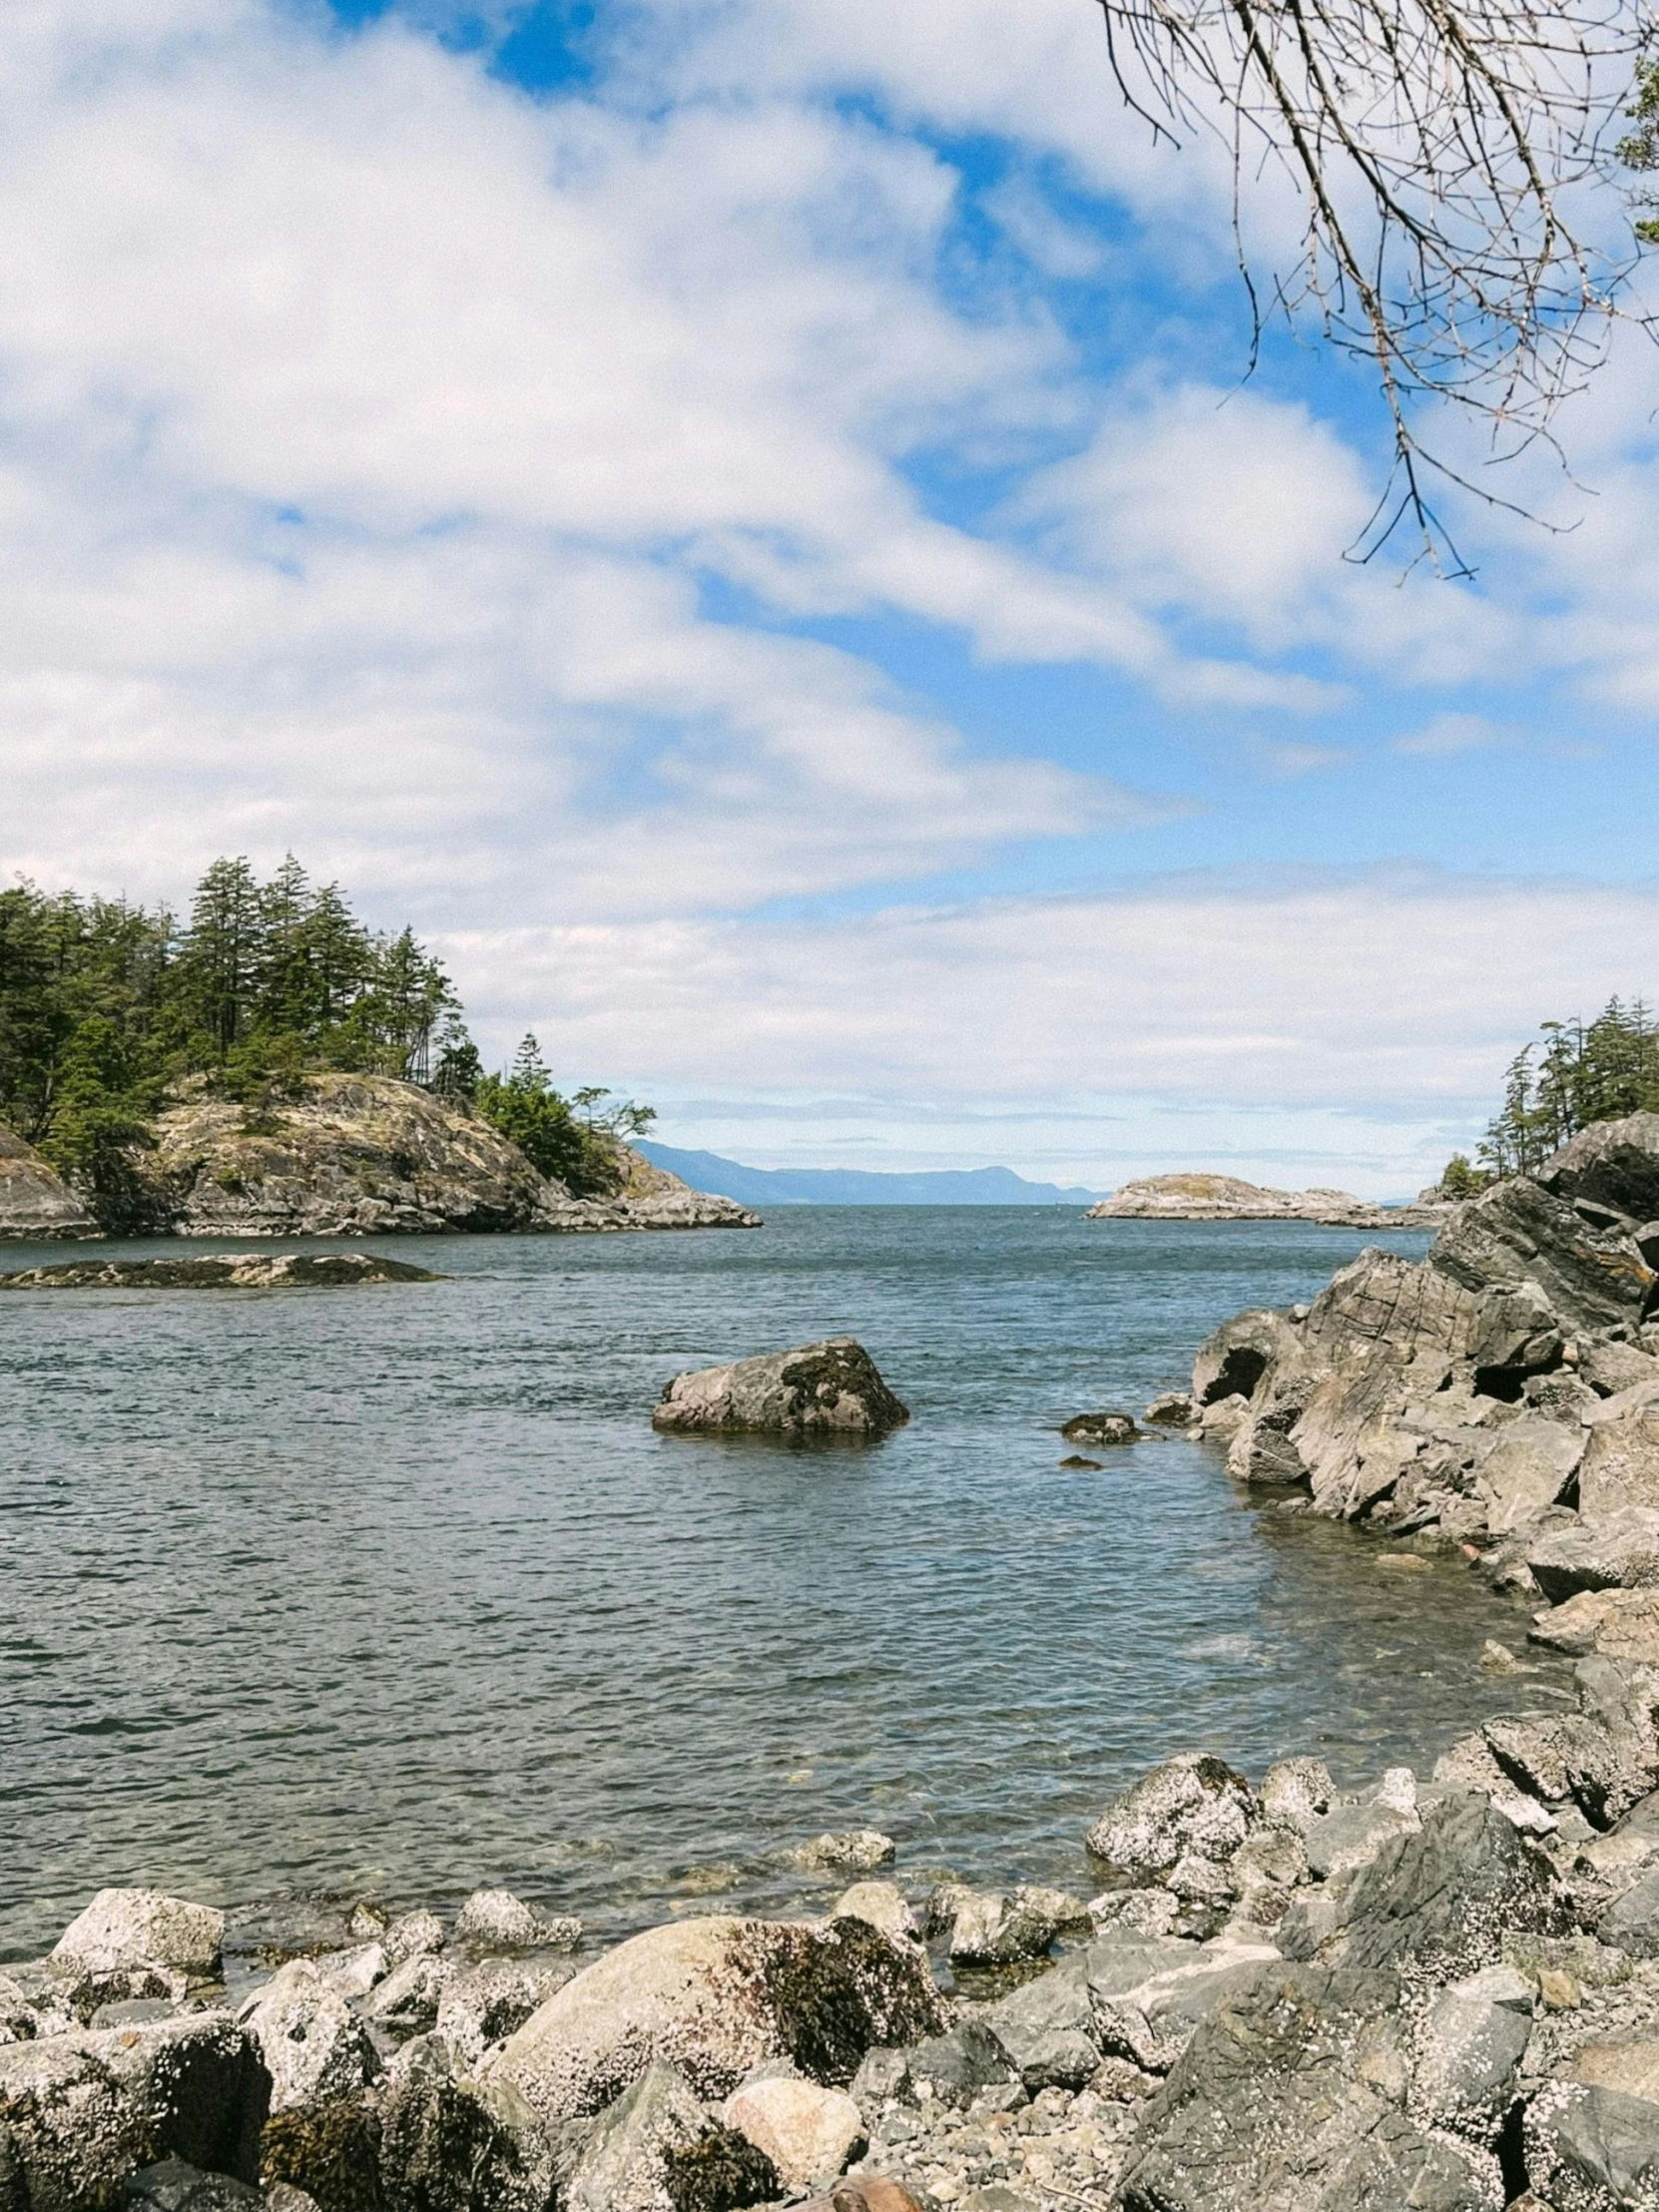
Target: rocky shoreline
<point>1435,1993</point>
<point>348,1156</point>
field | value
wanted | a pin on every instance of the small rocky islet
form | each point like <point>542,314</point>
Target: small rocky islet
<point>1439,1991</point>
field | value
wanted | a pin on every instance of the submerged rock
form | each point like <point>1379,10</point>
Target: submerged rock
<point>831,1389</point>
<point>228,1272</point>
<point>34,1202</point>
<point>1100,1428</point>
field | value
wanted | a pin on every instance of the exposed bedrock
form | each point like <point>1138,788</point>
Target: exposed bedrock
<point>1502,1393</point>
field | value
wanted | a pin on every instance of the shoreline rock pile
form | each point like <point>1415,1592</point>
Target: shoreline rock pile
<point>1227,1198</point>
<point>1424,1994</point>
<point>1502,1393</point>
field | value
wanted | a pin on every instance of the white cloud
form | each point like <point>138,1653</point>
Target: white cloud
<point>1448,733</point>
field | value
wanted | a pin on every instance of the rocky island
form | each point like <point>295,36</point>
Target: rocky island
<point>345,1155</point>
<point>1226,1198</point>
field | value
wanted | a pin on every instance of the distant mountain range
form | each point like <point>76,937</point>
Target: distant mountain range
<point>706,1170</point>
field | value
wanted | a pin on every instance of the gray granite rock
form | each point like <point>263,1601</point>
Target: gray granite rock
<point>831,1389</point>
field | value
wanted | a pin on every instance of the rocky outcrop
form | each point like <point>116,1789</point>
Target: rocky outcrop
<point>367,1155</point>
<point>1226,1198</point>
<point>35,1202</point>
<point>227,1272</point>
<point>1503,1393</point>
<point>829,1390</point>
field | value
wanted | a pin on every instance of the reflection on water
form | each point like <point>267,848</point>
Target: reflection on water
<point>396,1588</point>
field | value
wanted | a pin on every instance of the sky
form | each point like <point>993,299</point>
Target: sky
<point>747,522</point>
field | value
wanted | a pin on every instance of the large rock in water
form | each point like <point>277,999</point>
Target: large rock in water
<point>367,1155</point>
<point>33,1201</point>
<point>716,1997</point>
<point>828,1389</point>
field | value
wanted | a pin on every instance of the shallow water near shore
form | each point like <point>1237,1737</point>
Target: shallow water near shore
<point>394,1590</point>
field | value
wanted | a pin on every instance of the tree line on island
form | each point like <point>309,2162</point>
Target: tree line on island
<point>107,1008</point>
<point>1574,1073</point>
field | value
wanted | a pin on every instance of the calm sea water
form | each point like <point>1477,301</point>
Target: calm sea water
<point>395,1589</point>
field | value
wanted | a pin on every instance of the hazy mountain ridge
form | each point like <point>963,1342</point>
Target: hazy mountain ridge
<point>858,1186</point>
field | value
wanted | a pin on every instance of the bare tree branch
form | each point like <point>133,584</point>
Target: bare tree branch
<point>1435,147</point>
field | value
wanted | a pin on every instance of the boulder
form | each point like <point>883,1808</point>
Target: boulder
<point>1046,2028</point>
<point>1290,2097</point>
<point>1631,1921</point>
<point>1622,1624</point>
<point>808,2133</point>
<point>1435,1903</point>
<point>1620,1466</point>
<point>1194,1803</point>
<point>483,2005</point>
<point>356,1971</point>
<point>717,1997</point>
<point>1100,1428</point>
<point>1149,1996</point>
<point>1612,1368</point>
<point>82,2111</point>
<point>1518,1232</point>
<point>831,1389</point>
<point>882,1904</point>
<point>864,2193</point>
<point>1514,1334</point>
<point>314,2046</point>
<point>495,1919</point>
<point>410,1999</point>
<point>1531,1469</point>
<point>1590,2149</point>
<point>1175,1410</point>
<point>955,2066</point>
<point>413,1935</point>
<point>1294,1792</point>
<point>1233,1359</point>
<point>996,1928</point>
<point>656,2150</point>
<point>122,1930</point>
<point>1612,1164</point>
<point>1605,1554</point>
<point>444,2148</point>
<point>854,1851</point>
<point>34,1203</point>
<point>1350,1836</point>
<point>329,2152</point>
<point>172,2186</point>
<point>1470,2045</point>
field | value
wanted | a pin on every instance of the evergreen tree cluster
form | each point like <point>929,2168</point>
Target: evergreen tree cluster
<point>106,1008</point>
<point>1573,1074</point>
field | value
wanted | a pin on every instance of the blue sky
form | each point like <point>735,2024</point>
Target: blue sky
<point>747,523</point>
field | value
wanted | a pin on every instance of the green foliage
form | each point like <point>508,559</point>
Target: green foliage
<point>1573,1076</point>
<point>573,1147</point>
<point>105,1007</point>
<point>1463,1178</point>
<point>1639,150</point>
